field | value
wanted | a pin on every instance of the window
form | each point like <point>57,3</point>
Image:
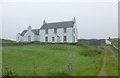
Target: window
<point>58,38</point>
<point>73,30</point>
<point>18,38</point>
<point>46,39</point>
<point>65,30</point>
<point>55,30</point>
<point>46,31</point>
<point>65,38</point>
<point>29,38</point>
<point>73,38</point>
<point>53,39</point>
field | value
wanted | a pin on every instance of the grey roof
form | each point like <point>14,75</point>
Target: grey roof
<point>24,31</point>
<point>35,31</point>
<point>64,24</point>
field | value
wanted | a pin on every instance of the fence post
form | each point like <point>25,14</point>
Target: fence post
<point>69,67</point>
<point>34,68</point>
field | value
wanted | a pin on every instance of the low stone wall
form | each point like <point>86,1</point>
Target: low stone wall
<point>93,42</point>
<point>36,42</point>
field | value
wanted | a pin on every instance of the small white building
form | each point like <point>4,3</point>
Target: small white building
<point>107,42</point>
<point>59,32</point>
<point>28,35</point>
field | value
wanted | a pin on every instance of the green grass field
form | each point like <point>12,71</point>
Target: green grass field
<point>51,59</point>
<point>6,41</point>
<point>111,61</point>
<point>0,61</point>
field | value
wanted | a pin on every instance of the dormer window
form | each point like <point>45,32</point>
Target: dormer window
<point>55,30</point>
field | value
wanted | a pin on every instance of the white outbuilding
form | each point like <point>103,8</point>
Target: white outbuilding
<point>107,42</point>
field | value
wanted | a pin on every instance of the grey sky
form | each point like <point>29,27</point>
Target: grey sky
<point>94,19</point>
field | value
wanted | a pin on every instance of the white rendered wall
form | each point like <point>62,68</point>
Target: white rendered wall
<point>28,33</point>
<point>18,38</point>
<point>60,33</point>
<point>25,37</point>
<point>75,33</point>
<point>36,37</point>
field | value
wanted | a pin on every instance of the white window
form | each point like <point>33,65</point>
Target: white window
<point>18,38</point>
<point>55,30</point>
<point>73,30</point>
<point>65,30</point>
<point>29,38</point>
<point>53,39</point>
<point>58,38</point>
<point>65,38</point>
<point>46,31</point>
<point>73,38</point>
<point>46,39</point>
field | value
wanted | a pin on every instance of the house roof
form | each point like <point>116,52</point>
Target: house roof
<point>64,24</point>
<point>24,31</point>
<point>35,31</point>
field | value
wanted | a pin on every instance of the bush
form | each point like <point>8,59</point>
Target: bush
<point>8,73</point>
<point>90,52</point>
<point>58,74</point>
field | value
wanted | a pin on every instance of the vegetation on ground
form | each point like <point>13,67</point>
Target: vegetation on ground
<point>111,62</point>
<point>51,59</point>
<point>6,41</point>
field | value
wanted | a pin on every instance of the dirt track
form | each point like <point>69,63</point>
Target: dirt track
<point>103,71</point>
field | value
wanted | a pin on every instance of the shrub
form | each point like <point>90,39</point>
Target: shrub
<point>62,74</point>
<point>90,52</point>
<point>8,73</point>
<point>58,74</point>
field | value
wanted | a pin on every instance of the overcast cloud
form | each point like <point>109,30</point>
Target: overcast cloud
<point>94,19</point>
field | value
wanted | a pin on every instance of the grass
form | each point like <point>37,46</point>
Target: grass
<point>0,61</point>
<point>112,63</point>
<point>51,59</point>
<point>115,51</point>
<point>6,41</point>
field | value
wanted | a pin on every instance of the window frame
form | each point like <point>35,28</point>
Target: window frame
<point>65,30</point>
<point>55,30</point>
<point>29,38</point>
<point>53,39</point>
<point>65,38</point>
<point>74,30</point>
<point>46,39</point>
<point>46,31</point>
<point>73,38</point>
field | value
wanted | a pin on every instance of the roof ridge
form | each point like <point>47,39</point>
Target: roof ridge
<point>63,24</point>
<point>35,29</point>
<point>59,22</point>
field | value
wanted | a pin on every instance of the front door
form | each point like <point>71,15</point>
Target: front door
<point>29,38</point>
<point>58,39</point>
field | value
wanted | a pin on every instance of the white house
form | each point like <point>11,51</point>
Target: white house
<point>59,32</point>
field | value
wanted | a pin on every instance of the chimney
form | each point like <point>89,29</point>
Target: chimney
<point>74,20</point>
<point>44,22</point>
<point>29,27</point>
